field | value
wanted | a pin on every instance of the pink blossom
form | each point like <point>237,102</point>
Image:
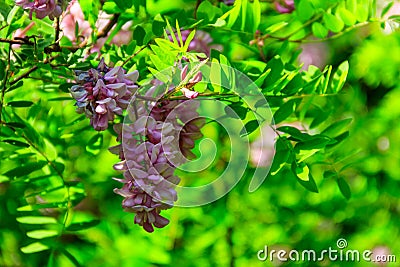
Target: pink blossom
<point>103,92</point>
<point>149,153</point>
<point>74,15</point>
<point>42,8</point>
<point>285,6</point>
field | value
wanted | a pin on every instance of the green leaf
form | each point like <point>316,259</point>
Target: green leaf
<point>58,205</point>
<point>34,247</point>
<point>256,15</point>
<point>294,85</point>
<point>294,133</point>
<point>123,4</point>
<point>40,234</point>
<point>329,174</point>
<point>336,128</point>
<point>344,187</point>
<point>333,23</point>
<point>319,30</point>
<point>16,143</point>
<point>138,35</point>
<point>386,9</point>
<point>346,16</point>
<point>340,76</point>
<point>90,9</point>
<point>276,66</point>
<point>95,144</point>
<point>188,40</point>
<point>219,23</point>
<point>282,154</point>
<point>285,110</point>
<point>249,127</point>
<point>20,104</point>
<point>236,110</point>
<point>2,69</point>
<point>36,220</point>
<point>317,142</point>
<point>82,225</point>
<point>158,26</point>
<point>276,27</point>
<point>319,117</point>
<point>25,169</point>
<point>304,177</point>
<point>16,125</point>
<point>305,10</point>
<point>207,11</point>
<point>362,10</point>
<point>65,87</point>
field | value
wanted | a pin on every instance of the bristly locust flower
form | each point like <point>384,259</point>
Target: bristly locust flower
<point>103,92</point>
<point>43,8</point>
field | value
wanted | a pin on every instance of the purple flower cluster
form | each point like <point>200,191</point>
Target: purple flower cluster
<point>103,92</point>
<point>159,139</point>
<point>285,6</point>
<point>42,8</point>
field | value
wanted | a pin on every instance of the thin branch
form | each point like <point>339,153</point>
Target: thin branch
<point>58,30</point>
<point>134,55</point>
<point>19,41</point>
<point>104,32</point>
<point>3,91</point>
<point>35,67</point>
<point>196,7</point>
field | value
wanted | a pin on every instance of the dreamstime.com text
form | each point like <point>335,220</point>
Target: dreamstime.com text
<point>332,254</point>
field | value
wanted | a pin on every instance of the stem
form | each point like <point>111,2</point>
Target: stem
<point>198,2</point>
<point>135,54</point>
<point>3,91</point>
<point>35,67</point>
<point>104,32</point>
<point>57,33</point>
<point>16,41</point>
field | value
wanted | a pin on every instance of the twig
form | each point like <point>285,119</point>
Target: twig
<point>134,55</point>
<point>20,41</point>
<point>3,91</point>
<point>35,67</point>
<point>196,7</point>
<point>58,30</point>
<point>104,32</point>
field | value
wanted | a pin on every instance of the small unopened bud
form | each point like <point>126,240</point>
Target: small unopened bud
<point>184,72</point>
<point>189,94</point>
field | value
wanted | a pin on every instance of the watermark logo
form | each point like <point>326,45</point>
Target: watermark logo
<point>338,253</point>
<point>234,96</point>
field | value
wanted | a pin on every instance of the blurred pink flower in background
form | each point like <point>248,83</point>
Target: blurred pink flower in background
<point>74,15</point>
<point>390,25</point>
<point>262,150</point>
<point>202,42</point>
<point>284,6</point>
<point>380,253</point>
<point>313,54</point>
<point>21,33</point>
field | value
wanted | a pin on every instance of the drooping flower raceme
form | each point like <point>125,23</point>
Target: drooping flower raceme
<point>42,8</point>
<point>159,138</point>
<point>156,137</point>
<point>103,92</point>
